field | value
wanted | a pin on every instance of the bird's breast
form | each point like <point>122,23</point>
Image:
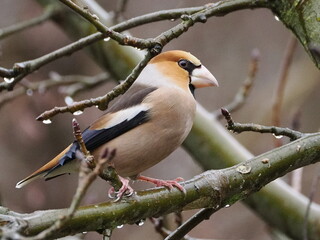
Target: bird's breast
<point>171,119</point>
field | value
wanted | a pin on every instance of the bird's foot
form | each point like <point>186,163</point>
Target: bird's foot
<point>125,190</point>
<point>165,183</point>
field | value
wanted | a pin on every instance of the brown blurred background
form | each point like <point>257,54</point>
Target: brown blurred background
<point>223,44</point>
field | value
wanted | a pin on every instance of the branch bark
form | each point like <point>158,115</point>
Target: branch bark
<point>213,147</point>
<point>212,189</point>
<point>302,17</point>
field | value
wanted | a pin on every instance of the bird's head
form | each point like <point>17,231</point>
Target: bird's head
<point>179,68</point>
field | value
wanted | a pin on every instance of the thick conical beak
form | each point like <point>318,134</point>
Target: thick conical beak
<point>201,77</point>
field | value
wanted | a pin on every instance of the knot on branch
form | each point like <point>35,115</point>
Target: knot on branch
<point>156,49</point>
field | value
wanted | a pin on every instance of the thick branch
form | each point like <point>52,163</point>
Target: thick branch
<point>302,18</point>
<point>215,189</point>
<point>213,147</point>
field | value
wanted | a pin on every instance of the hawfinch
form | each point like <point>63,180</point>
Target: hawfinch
<point>145,125</point>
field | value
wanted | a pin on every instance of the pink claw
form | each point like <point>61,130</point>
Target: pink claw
<point>165,183</point>
<point>125,190</point>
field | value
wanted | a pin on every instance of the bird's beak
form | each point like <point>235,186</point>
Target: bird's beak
<point>201,77</point>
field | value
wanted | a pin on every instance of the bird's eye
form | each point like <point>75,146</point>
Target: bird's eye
<point>183,63</point>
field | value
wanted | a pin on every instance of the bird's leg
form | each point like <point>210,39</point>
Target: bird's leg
<point>120,185</point>
<point>165,183</point>
<point>125,189</point>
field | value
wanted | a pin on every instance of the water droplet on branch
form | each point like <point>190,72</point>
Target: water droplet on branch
<point>8,80</point>
<point>77,113</point>
<point>140,223</point>
<point>277,136</point>
<point>47,121</point>
<point>68,100</point>
<point>29,92</point>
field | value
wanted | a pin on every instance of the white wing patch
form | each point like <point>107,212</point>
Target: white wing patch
<point>125,114</point>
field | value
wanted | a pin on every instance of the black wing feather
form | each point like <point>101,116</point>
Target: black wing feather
<point>95,138</point>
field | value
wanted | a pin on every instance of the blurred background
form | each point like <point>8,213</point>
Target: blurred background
<point>223,44</point>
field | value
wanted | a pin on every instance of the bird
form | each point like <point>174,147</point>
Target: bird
<point>145,125</point>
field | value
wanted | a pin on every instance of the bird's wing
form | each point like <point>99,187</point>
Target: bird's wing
<point>126,114</point>
<point>123,116</point>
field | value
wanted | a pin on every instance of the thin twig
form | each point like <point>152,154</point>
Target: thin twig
<point>244,90</point>
<point>131,23</point>
<point>78,136</point>
<point>296,176</point>
<point>109,172</point>
<point>86,177</point>
<point>121,8</point>
<point>191,223</point>
<point>109,32</point>
<point>251,127</point>
<point>20,70</point>
<point>282,81</point>
<point>163,39</point>
<point>46,15</point>
<point>191,16</point>
<point>101,102</point>
<point>158,225</point>
<point>178,218</point>
<point>75,84</point>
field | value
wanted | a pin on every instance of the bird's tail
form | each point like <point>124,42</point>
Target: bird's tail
<point>51,170</point>
<point>29,179</point>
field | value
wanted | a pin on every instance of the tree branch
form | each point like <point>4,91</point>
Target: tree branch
<point>22,69</point>
<point>212,189</point>
<point>213,147</point>
<point>75,84</point>
<point>278,98</point>
<point>244,90</point>
<point>191,223</point>
<point>277,131</point>
<point>101,102</point>
<point>47,14</point>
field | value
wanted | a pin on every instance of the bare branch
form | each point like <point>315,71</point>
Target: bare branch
<point>76,84</point>
<point>277,131</point>
<point>78,136</point>
<point>22,69</point>
<point>47,14</point>
<point>86,177</point>
<point>101,102</point>
<point>282,81</point>
<point>212,189</point>
<point>109,32</point>
<point>121,8</point>
<point>191,223</point>
<point>245,88</point>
